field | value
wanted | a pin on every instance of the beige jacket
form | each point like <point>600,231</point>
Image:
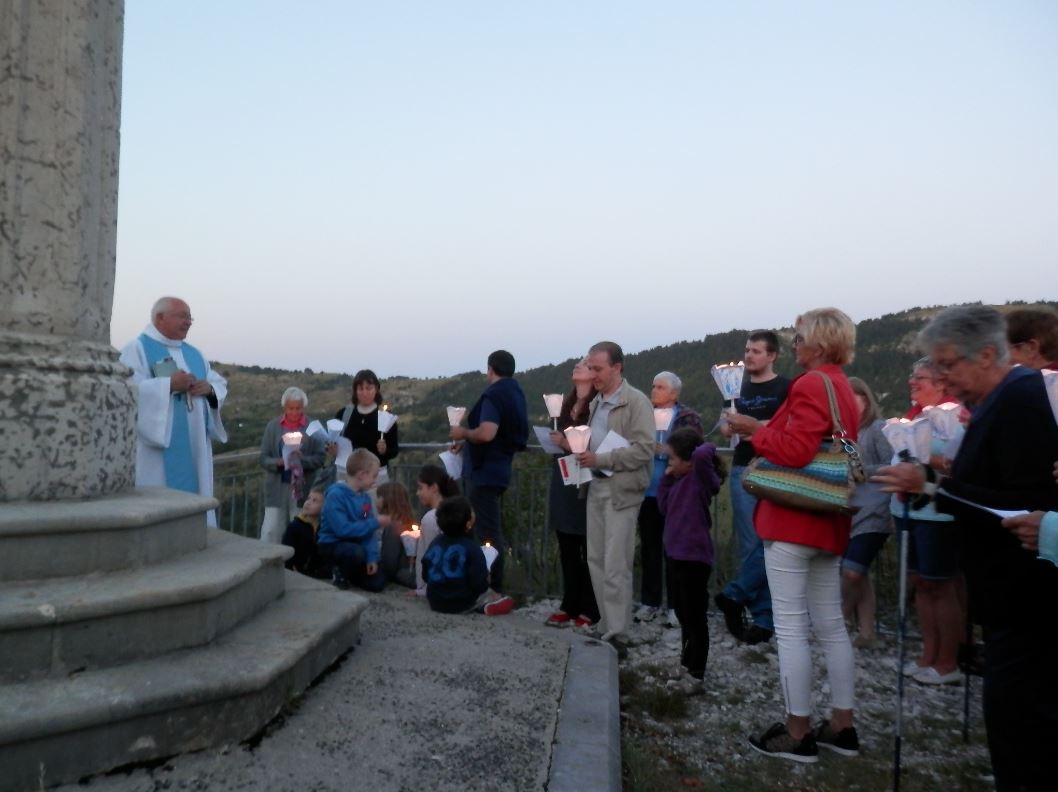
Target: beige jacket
<point>632,417</point>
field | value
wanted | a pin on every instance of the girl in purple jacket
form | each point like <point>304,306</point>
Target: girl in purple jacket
<point>693,476</point>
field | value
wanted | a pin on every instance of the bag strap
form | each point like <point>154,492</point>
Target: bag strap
<point>835,417</point>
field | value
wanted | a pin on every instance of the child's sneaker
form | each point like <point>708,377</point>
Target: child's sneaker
<point>844,742</point>
<point>338,580</point>
<point>559,619</point>
<point>500,607</point>
<point>776,741</point>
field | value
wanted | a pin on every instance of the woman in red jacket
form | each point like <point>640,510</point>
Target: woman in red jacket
<point>802,550</point>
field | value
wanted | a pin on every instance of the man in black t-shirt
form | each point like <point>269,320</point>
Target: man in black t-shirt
<point>762,392</point>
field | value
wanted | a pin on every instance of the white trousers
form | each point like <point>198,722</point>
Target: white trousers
<point>276,519</point>
<point>805,585</point>
<point>611,551</point>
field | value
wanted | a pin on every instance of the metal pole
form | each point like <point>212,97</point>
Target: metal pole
<point>901,636</point>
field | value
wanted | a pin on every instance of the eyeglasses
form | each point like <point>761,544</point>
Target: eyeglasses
<point>184,317</point>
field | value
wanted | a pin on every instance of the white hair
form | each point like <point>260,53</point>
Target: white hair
<point>294,394</point>
<point>674,382</point>
<point>161,305</point>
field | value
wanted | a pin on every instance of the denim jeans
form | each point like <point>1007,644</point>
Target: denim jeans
<point>750,586</point>
<point>351,559</point>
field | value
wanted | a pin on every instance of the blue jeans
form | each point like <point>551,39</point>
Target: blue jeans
<point>750,586</point>
<point>485,500</point>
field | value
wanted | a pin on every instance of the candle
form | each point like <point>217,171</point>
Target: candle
<point>578,438</point>
<point>553,402</point>
<point>662,418</point>
<point>455,415</point>
<point>728,378</point>
<point>410,540</point>
<point>490,554</point>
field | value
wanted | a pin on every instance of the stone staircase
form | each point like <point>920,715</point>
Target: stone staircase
<point>129,632</point>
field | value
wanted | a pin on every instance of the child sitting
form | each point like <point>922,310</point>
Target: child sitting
<point>301,535</point>
<point>693,476</point>
<point>392,500</point>
<point>347,539</point>
<point>457,577</point>
<point>434,485</point>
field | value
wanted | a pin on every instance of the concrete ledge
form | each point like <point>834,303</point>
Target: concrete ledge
<point>587,749</point>
<point>65,624</point>
<point>64,729</point>
<point>68,538</point>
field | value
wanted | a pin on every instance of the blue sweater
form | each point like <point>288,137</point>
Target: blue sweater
<point>349,517</point>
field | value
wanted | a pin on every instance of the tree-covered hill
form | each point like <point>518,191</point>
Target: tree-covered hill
<point>884,353</point>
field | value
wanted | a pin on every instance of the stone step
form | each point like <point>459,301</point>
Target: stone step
<point>61,625</point>
<point>66,538</point>
<point>57,730</point>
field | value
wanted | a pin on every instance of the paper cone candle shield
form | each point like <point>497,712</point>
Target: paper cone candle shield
<point>455,415</point>
<point>385,421</point>
<point>662,418</point>
<point>728,378</point>
<point>915,436</point>
<point>578,438</point>
<point>553,401</point>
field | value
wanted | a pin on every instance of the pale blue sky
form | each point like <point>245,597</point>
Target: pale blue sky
<point>407,186</point>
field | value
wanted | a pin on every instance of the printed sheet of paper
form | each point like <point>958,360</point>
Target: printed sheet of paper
<point>1001,513</point>
<point>543,436</point>
<point>611,442</point>
<point>572,473</point>
<point>453,463</point>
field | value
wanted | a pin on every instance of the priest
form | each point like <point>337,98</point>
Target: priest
<point>179,400</point>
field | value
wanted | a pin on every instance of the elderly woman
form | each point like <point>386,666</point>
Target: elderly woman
<point>287,483</point>
<point>360,422</point>
<point>1004,463</point>
<point>665,393</point>
<point>802,549</point>
<point>933,554</point>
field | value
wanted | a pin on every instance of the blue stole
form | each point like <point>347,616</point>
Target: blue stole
<point>181,472</point>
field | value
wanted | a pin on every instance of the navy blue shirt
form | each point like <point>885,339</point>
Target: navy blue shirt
<point>455,573</point>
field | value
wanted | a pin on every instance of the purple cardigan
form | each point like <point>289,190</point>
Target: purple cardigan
<point>684,502</point>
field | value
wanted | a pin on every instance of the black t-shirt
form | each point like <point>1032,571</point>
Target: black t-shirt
<point>759,400</point>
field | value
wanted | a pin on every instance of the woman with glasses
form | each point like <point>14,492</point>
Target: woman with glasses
<point>802,549</point>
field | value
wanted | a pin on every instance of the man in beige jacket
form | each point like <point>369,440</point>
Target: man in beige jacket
<point>619,479</point>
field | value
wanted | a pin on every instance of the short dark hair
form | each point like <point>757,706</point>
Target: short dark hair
<point>612,349</point>
<point>683,441</point>
<point>770,339</point>
<point>367,376</point>
<point>453,515</point>
<point>502,363</point>
<point>435,475</point>
<point>1039,324</point>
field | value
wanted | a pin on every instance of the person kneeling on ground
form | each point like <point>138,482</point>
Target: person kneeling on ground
<point>457,577</point>
<point>301,535</point>
<point>348,538</point>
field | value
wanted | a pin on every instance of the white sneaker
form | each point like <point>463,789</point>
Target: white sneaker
<point>670,619</point>
<point>911,668</point>
<point>928,675</point>
<point>645,613</point>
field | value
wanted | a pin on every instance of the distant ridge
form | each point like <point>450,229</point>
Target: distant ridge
<point>884,353</point>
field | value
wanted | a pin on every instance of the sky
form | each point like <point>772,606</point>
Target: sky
<point>407,186</point>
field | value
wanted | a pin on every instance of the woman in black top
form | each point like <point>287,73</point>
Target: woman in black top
<point>361,420</point>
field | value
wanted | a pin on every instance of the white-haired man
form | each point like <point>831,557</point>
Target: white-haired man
<point>179,401</point>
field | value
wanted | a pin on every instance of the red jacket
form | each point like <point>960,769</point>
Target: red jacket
<point>792,438</point>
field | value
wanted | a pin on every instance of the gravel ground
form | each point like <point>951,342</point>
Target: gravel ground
<point>427,701</point>
<point>700,742</point>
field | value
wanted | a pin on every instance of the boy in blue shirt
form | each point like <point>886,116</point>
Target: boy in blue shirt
<point>454,568</point>
<point>349,528</point>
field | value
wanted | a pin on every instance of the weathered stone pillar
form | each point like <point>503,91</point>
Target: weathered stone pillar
<point>66,410</point>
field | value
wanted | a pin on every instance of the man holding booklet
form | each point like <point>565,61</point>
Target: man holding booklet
<point>621,456</point>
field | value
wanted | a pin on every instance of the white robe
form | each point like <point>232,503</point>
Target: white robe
<point>154,419</point>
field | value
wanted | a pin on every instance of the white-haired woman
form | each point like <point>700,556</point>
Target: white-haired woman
<point>287,483</point>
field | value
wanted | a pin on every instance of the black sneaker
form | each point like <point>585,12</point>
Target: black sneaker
<point>734,619</point>
<point>776,741</point>
<point>844,742</point>
<point>755,634</point>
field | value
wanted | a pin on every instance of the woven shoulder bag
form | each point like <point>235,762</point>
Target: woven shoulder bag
<point>823,485</point>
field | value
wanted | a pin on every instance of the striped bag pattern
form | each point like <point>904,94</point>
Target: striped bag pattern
<point>823,485</point>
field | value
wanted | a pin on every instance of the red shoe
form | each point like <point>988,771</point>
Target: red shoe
<point>500,607</point>
<point>558,619</point>
<point>582,623</point>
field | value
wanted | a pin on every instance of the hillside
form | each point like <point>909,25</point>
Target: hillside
<point>884,353</point>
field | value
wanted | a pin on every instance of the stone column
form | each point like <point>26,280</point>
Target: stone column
<point>67,413</point>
